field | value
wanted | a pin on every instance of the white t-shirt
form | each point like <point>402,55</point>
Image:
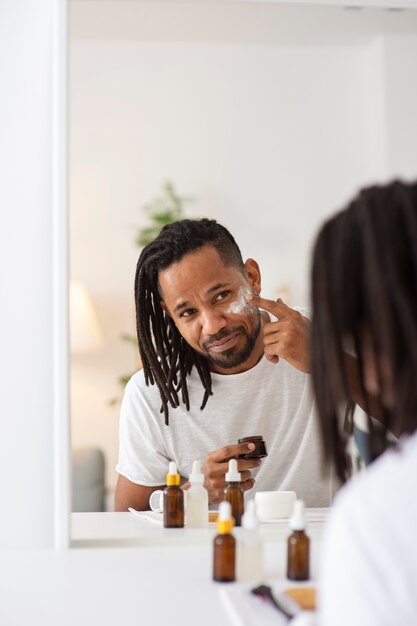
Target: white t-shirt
<point>369,560</point>
<point>272,400</point>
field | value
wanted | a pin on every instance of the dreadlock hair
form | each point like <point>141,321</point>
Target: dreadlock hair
<point>166,357</point>
<point>364,277</point>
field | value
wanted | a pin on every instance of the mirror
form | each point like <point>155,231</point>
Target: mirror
<point>268,116</point>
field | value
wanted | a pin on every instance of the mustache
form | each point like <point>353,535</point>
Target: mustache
<point>222,334</point>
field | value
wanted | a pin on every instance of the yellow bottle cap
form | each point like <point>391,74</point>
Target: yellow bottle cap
<point>173,480</point>
<point>225,520</point>
<point>225,526</point>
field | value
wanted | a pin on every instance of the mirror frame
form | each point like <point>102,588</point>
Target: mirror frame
<point>60,275</point>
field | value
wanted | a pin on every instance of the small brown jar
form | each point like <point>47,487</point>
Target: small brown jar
<point>260,448</point>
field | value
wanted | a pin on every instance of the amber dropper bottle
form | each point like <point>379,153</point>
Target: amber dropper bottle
<point>224,546</point>
<point>173,499</point>
<point>233,492</point>
<point>298,545</point>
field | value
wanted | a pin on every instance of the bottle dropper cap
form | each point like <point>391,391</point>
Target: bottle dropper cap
<point>232,476</point>
<point>196,475</point>
<point>173,478</point>
<point>250,520</point>
<point>297,520</point>
<point>225,520</point>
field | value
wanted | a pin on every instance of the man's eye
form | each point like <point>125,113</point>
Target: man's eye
<point>221,296</point>
<point>187,313</point>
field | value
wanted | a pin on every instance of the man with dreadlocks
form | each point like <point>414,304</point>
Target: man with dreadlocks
<point>215,369</point>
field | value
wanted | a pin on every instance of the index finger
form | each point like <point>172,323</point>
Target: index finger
<point>231,452</point>
<point>276,307</point>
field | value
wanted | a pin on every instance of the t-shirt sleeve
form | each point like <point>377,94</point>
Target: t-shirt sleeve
<point>142,455</point>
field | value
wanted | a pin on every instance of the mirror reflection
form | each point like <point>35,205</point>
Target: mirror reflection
<point>264,117</point>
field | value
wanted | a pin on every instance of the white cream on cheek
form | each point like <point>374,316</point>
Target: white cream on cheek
<point>241,305</point>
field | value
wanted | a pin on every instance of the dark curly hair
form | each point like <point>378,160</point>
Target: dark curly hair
<point>364,276</point>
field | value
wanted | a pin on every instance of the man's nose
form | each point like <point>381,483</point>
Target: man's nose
<point>213,321</point>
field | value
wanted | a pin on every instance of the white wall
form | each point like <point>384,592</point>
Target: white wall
<point>401,105</point>
<point>271,117</point>
<point>33,357</point>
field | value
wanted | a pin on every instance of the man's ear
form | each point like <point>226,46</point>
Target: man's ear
<point>253,274</point>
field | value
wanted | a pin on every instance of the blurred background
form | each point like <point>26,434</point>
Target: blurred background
<point>265,116</point>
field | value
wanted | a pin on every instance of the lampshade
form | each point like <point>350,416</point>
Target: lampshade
<point>84,329</point>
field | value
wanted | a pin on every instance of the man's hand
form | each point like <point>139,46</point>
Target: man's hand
<point>217,464</point>
<point>289,337</point>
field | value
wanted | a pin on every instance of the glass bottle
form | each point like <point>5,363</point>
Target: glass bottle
<point>233,492</point>
<point>250,548</point>
<point>173,500</point>
<point>224,546</point>
<point>298,546</point>
<point>196,499</point>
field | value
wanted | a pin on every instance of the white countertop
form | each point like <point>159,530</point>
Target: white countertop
<point>160,576</point>
<point>143,529</point>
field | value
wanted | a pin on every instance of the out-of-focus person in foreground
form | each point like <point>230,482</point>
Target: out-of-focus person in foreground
<point>364,292</point>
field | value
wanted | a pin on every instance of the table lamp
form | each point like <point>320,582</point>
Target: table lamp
<point>85,334</point>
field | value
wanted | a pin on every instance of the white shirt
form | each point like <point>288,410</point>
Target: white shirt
<point>272,400</point>
<point>369,561</point>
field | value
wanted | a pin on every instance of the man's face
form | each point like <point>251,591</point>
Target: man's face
<point>206,300</point>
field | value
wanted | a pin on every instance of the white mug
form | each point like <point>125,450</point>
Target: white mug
<point>274,504</point>
<point>156,501</point>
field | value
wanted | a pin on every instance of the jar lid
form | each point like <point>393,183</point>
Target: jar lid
<point>249,439</point>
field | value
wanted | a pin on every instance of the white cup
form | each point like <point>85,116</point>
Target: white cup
<point>274,504</point>
<point>156,501</point>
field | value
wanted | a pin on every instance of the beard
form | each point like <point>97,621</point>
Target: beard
<point>235,356</point>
